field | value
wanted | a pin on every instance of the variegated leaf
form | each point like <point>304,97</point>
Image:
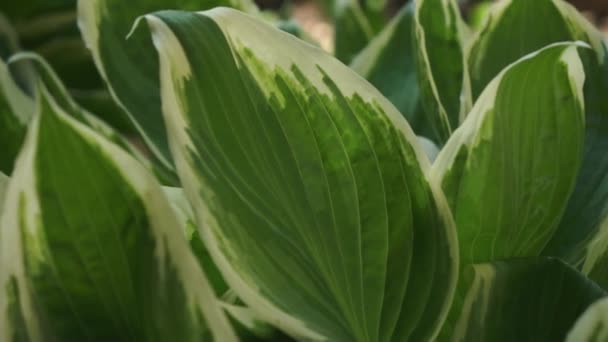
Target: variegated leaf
<point>499,44</point>
<point>389,63</point>
<point>128,65</point>
<point>509,170</point>
<point>529,299</point>
<point>442,69</point>
<point>90,248</point>
<point>308,186</point>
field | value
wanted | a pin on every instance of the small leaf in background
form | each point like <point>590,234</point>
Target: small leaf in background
<point>91,249</point>
<point>129,66</point>
<point>442,70</point>
<point>310,192</point>
<point>592,326</point>
<point>355,27</point>
<point>388,62</point>
<point>518,27</point>
<point>529,299</point>
<point>509,170</point>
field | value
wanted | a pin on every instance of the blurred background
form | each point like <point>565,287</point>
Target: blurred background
<point>314,15</point>
<point>49,28</point>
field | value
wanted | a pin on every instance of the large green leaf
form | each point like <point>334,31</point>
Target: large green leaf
<point>90,247</point>
<point>442,70</point>
<point>310,190</point>
<point>508,171</point>
<point>530,299</point>
<point>128,65</point>
<point>498,45</point>
<point>389,63</point>
<point>592,326</point>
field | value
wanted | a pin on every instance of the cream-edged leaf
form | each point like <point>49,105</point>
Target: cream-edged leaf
<point>128,65</point>
<point>389,63</point>
<point>90,247</point>
<point>509,170</point>
<point>442,68</point>
<point>528,299</point>
<point>310,190</point>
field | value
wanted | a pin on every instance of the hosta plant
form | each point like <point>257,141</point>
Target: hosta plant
<point>448,184</point>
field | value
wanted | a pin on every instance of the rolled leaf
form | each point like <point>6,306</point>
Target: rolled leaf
<point>442,70</point>
<point>310,191</point>
<point>509,170</point>
<point>127,65</point>
<point>530,299</point>
<point>90,248</point>
<point>592,326</point>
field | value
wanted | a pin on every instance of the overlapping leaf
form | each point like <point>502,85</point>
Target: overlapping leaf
<point>442,74</point>
<point>509,170</point>
<point>310,189</point>
<point>356,24</point>
<point>530,299</point>
<point>90,248</point>
<point>127,65</point>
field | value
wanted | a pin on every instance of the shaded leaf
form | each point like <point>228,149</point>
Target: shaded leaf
<point>388,62</point>
<point>531,299</point>
<point>592,326</point>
